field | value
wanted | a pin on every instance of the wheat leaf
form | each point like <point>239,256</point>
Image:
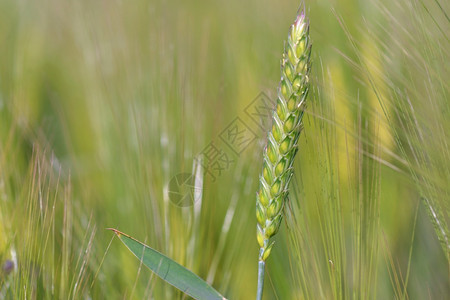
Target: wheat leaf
<point>169,270</point>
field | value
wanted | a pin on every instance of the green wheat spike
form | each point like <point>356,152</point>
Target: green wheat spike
<point>282,140</point>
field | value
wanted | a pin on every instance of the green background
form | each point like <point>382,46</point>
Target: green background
<point>102,103</point>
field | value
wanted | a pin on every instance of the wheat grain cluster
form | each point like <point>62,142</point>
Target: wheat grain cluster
<point>282,140</point>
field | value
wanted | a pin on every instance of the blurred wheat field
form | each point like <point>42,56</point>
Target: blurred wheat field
<point>103,103</point>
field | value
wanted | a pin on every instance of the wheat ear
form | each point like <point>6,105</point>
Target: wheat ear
<point>282,139</point>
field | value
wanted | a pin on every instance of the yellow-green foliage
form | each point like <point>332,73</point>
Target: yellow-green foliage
<point>102,103</point>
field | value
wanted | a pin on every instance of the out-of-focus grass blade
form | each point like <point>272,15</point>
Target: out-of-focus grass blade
<point>169,270</point>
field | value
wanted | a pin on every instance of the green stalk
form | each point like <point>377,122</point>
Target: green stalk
<point>261,266</point>
<point>282,139</point>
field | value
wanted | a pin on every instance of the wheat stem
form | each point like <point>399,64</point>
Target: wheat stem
<point>261,266</point>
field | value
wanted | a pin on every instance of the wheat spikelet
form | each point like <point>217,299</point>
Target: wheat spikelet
<point>282,139</point>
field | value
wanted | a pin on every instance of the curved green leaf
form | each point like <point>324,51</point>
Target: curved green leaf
<point>169,270</point>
